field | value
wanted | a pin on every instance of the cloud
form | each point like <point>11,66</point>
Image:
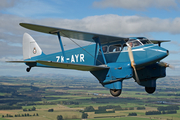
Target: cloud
<point>9,50</point>
<point>117,25</point>
<point>123,26</point>
<point>136,4</point>
<point>8,3</point>
<point>174,52</point>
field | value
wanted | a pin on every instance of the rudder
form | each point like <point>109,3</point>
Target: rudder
<point>30,47</point>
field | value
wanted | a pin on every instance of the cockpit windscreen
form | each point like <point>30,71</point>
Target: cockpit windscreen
<point>138,42</point>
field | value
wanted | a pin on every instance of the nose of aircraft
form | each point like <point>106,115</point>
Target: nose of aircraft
<point>150,55</point>
<point>167,52</point>
<point>157,53</point>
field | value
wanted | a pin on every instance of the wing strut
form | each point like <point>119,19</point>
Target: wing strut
<point>62,48</point>
<point>96,53</point>
<point>95,57</point>
<point>96,39</point>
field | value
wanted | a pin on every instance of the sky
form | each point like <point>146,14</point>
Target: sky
<point>154,19</point>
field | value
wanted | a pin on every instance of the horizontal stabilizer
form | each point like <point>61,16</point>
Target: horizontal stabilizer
<point>72,66</point>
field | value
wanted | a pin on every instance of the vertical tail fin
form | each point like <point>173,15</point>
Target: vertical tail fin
<point>30,47</point>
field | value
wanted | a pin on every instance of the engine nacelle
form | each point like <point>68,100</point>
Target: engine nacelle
<point>148,74</point>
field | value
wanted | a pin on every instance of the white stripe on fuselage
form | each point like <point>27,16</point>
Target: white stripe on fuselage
<point>159,50</point>
<point>139,49</point>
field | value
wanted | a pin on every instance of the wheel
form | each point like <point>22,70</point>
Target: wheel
<point>28,69</point>
<point>115,93</point>
<point>150,90</point>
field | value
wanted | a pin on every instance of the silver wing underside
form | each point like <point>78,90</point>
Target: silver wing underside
<point>86,36</point>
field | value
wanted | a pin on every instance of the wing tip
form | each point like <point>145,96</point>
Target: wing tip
<point>22,24</point>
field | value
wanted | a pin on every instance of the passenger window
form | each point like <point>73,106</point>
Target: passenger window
<point>114,48</point>
<point>104,48</point>
<point>125,47</point>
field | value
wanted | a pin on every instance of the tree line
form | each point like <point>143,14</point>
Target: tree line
<point>20,115</point>
<point>159,112</point>
<point>132,114</point>
<point>8,107</point>
<point>114,107</point>
<point>171,107</point>
<point>69,103</point>
<point>32,109</point>
<point>83,116</point>
<point>141,108</point>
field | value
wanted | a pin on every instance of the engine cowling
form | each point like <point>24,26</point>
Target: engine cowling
<point>149,74</point>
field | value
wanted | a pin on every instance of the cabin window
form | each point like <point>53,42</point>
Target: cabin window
<point>114,48</point>
<point>104,48</point>
<point>125,47</point>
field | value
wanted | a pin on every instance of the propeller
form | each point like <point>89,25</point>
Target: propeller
<point>133,64</point>
<point>164,64</point>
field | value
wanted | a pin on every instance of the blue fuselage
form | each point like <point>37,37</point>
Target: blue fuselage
<point>143,55</point>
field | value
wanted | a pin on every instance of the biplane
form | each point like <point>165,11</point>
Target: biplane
<point>111,59</point>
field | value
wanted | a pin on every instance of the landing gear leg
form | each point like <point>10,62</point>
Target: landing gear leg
<point>28,69</point>
<point>150,90</point>
<point>115,93</point>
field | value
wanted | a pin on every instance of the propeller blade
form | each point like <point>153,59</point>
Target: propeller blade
<point>164,64</point>
<point>172,67</point>
<point>136,75</point>
<point>133,64</point>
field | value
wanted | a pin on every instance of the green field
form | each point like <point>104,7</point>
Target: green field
<point>69,97</point>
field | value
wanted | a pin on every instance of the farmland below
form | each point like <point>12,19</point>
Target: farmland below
<point>52,97</point>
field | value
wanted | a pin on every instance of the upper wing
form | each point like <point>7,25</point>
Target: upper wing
<point>86,36</point>
<point>159,41</point>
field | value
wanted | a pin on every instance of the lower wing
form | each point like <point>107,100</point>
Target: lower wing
<point>66,65</point>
